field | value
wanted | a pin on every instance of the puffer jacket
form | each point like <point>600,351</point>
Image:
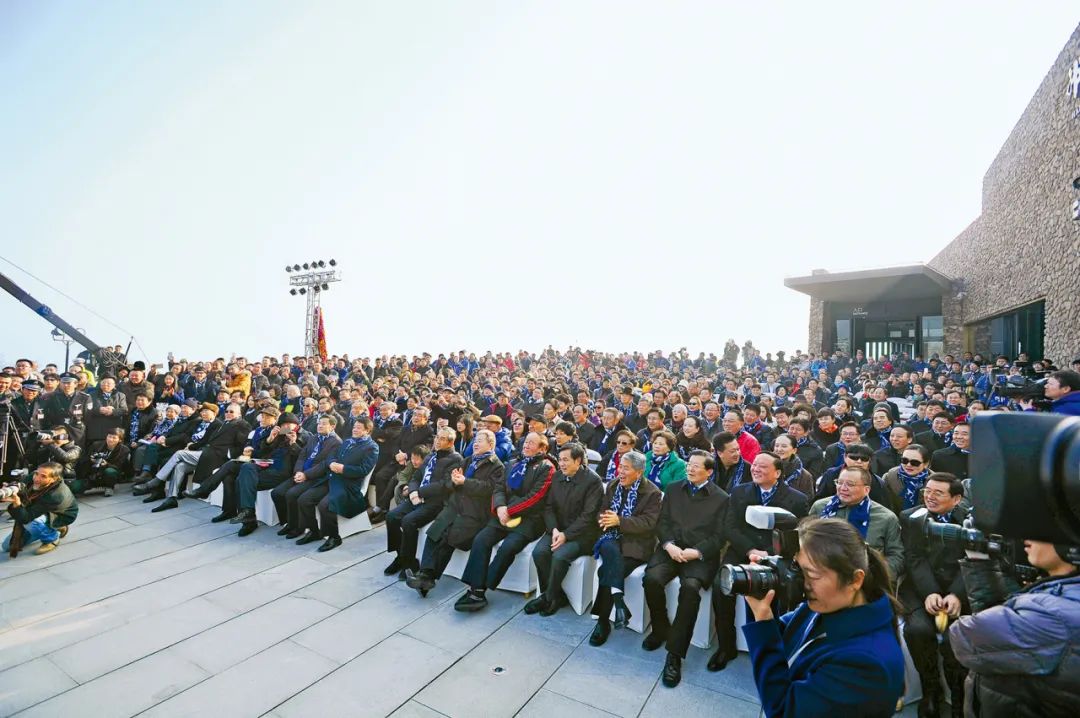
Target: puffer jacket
<point>1024,655</point>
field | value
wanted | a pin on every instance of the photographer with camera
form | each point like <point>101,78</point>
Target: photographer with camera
<point>57,446</point>
<point>108,464</point>
<point>68,406</point>
<point>1063,390</point>
<point>838,652</point>
<point>933,589</point>
<point>42,506</point>
<point>1022,654</point>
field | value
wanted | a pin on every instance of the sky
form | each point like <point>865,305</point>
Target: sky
<point>489,175</point>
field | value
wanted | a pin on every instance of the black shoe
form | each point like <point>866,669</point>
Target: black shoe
<point>600,633</point>
<point>247,528</point>
<point>471,602</point>
<point>331,543</point>
<point>395,567</point>
<point>720,659</point>
<point>421,582</point>
<point>169,503</point>
<point>536,605</point>
<point>223,516</point>
<point>309,537</point>
<point>622,613</point>
<point>196,494</point>
<point>284,530</point>
<point>552,607</point>
<point>156,496</point>
<point>243,516</point>
<point>672,671</point>
<point>294,533</point>
<point>154,484</point>
<point>654,640</point>
<point>376,515</point>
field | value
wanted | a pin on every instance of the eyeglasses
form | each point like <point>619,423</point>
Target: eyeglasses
<point>848,484</point>
<point>935,493</point>
<point>623,443</point>
<point>911,462</point>
<point>858,458</point>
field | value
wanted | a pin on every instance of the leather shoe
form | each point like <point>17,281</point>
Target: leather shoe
<point>552,607</point>
<point>376,515</point>
<point>147,486</point>
<point>600,633</point>
<point>622,614</point>
<point>536,605</point>
<point>284,531</point>
<point>331,542</point>
<point>169,503</point>
<point>395,567</point>
<point>654,640</point>
<point>471,602</point>
<point>672,671</point>
<point>309,537</point>
<point>421,582</point>
<point>223,516</point>
<point>196,494</point>
<point>156,496</point>
<point>294,533</point>
<point>247,528</point>
<point>719,660</point>
<point>243,516</point>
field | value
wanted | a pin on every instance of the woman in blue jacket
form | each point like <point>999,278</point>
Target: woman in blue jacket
<point>838,653</point>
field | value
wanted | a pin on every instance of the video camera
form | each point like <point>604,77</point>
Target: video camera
<point>778,571</point>
<point>1008,552</point>
<point>1020,388</point>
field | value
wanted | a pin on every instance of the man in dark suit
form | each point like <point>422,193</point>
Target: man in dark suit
<point>297,496</point>
<point>691,537</point>
<point>182,461</point>
<point>354,461</point>
<point>217,446</point>
<point>954,459</point>
<point>69,407</point>
<point>900,438</point>
<point>416,433</point>
<point>229,470</point>
<point>746,541</point>
<point>933,583</point>
<point>939,435</point>
<point>271,463</point>
<point>200,387</point>
<point>427,494</point>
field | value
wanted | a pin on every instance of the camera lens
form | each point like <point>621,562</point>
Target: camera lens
<point>750,579</point>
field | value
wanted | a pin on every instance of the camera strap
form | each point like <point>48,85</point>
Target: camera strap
<point>806,640</point>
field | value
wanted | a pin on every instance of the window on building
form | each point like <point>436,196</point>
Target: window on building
<point>843,335</point>
<point>933,336</point>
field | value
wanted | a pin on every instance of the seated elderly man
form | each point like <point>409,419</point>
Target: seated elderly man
<point>296,497</point>
<point>42,509</point>
<point>354,461</point>
<point>227,472</point>
<point>271,464</point>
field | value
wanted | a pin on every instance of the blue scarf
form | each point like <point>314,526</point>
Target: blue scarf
<point>604,441</point>
<point>200,431</point>
<point>657,467</point>
<point>841,452</point>
<point>612,467</point>
<point>947,438</point>
<point>310,460</point>
<point>163,427</point>
<point>477,459</point>
<point>516,477</point>
<point>884,439</point>
<point>133,427</point>
<point>941,518</point>
<point>796,470</point>
<point>912,484</point>
<point>766,496</point>
<point>623,502</point>
<point>429,468</point>
<point>737,477</point>
<point>646,443</point>
<point>258,436</point>
<point>858,515</point>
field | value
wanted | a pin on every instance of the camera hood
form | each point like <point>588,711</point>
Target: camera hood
<point>770,517</point>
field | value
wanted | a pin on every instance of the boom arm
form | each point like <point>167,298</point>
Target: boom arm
<point>47,314</point>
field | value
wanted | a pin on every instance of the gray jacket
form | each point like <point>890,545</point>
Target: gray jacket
<point>1024,655</point>
<point>882,534</point>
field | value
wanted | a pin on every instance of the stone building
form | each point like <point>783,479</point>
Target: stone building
<point>1008,283</point>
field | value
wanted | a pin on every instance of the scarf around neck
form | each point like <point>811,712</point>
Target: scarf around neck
<point>858,515</point>
<point>912,484</point>
<point>623,502</point>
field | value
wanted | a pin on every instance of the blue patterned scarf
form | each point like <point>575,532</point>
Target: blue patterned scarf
<point>476,460</point>
<point>858,515</point>
<point>163,427</point>
<point>884,439</point>
<point>200,431</point>
<point>912,485</point>
<point>429,468</point>
<point>796,470</point>
<point>612,467</point>
<point>766,496</point>
<point>516,477</point>
<point>657,468</point>
<point>133,427</point>
<point>841,453</point>
<point>310,460</point>
<point>737,477</point>
<point>623,502</point>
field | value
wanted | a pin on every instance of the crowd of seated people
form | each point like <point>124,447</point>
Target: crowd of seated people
<point>638,460</point>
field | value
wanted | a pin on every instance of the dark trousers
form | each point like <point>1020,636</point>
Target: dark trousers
<point>240,493</point>
<point>104,477</point>
<point>286,496</point>
<point>614,568</point>
<point>328,525</point>
<point>920,635</point>
<point>225,474</point>
<point>478,574</point>
<point>385,485</point>
<point>724,612</point>
<point>437,555</point>
<point>403,526</point>
<point>552,566</point>
<point>307,504</point>
<point>693,577</point>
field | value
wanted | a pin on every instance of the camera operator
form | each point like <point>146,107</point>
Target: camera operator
<point>931,585</point>
<point>108,463</point>
<point>1063,390</point>
<point>1022,654</point>
<point>68,406</point>
<point>56,446</point>
<point>43,510</point>
<point>837,653</point>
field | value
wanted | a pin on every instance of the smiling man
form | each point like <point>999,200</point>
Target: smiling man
<point>878,526</point>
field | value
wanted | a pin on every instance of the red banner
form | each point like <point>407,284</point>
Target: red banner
<point>321,336</point>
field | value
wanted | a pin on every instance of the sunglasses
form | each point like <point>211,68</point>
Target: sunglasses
<point>911,462</point>
<point>623,443</point>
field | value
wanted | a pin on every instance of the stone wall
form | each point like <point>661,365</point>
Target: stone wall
<point>1025,246</point>
<point>816,340</point>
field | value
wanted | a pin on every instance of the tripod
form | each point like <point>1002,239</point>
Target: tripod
<point>6,433</point>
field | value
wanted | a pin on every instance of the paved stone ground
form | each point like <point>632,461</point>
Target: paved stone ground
<point>168,614</point>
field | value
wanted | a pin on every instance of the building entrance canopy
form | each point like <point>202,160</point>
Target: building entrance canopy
<point>872,285</point>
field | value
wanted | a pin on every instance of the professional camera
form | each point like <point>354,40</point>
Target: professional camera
<point>1020,388</point>
<point>99,460</point>
<point>1026,469</point>
<point>1008,552</point>
<point>778,571</point>
<point>8,491</point>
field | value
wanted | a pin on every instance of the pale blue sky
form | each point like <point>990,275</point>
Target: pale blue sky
<point>619,175</point>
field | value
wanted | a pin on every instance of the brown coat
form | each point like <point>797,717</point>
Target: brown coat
<point>639,530</point>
